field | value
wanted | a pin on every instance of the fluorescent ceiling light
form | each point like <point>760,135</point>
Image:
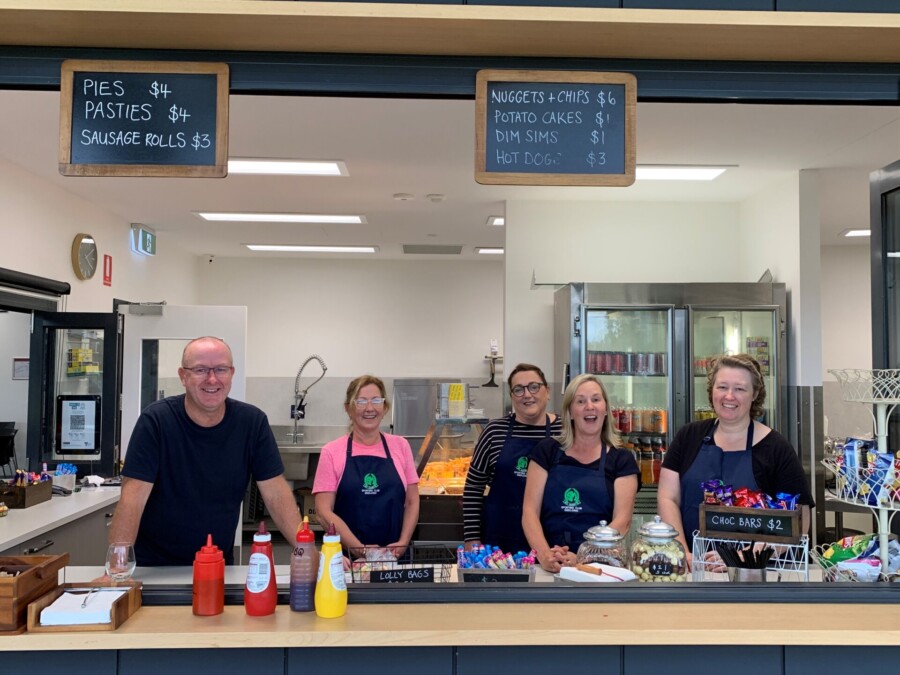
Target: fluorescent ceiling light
<point>496,221</point>
<point>313,249</point>
<point>856,233</point>
<point>488,251</point>
<point>282,218</point>
<point>651,172</point>
<point>287,167</point>
<point>893,254</point>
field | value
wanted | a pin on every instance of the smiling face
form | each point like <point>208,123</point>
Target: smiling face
<point>732,394</point>
<point>366,420</point>
<point>205,394</point>
<point>530,407</point>
<point>588,410</point>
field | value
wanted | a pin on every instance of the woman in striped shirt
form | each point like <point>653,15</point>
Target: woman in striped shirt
<point>495,484</point>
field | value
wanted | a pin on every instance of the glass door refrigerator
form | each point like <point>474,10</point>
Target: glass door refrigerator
<point>651,345</point>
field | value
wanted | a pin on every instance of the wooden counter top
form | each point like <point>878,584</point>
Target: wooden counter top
<point>491,625</point>
<point>22,524</point>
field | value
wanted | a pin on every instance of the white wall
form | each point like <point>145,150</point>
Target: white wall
<point>846,332</point>
<point>39,223</point>
<point>14,339</point>
<point>399,318</point>
<point>562,242</point>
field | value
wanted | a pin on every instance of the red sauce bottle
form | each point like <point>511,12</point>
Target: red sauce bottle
<point>261,591</point>
<point>209,580</point>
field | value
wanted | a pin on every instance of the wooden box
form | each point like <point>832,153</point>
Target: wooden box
<point>38,575</point>
<point>23,497</point>
<point>122,608</point>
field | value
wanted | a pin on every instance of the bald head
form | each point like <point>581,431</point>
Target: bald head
<point>201,344</point>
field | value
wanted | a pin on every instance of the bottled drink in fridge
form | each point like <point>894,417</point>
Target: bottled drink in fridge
<point>304,567</point>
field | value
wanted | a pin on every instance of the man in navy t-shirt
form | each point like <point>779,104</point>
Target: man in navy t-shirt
<point>188,464</point>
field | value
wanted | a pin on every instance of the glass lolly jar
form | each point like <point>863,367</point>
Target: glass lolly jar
<point>657,555</point>
<point>603,544</point>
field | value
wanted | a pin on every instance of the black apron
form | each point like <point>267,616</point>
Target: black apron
<point>734,468</point>
<point>575,499</point>
<point>501,515</point>
<point>370,497</point>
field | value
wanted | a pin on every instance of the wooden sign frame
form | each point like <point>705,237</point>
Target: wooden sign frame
<point>485,177</point>
<point>791,537</point>
<point>217,170</point>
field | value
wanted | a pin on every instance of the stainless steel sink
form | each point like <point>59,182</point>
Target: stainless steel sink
<point>295,450</point>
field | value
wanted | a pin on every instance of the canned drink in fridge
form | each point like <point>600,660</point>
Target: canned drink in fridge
<point>641,363</point>
<point>651,363</point>
<point>661,363</point>
<point>630,364</point>
<point>619,366</point>
<point>604,362</point>
<point>625,421</point>
<point>636,420</point>
<point>663,421</point>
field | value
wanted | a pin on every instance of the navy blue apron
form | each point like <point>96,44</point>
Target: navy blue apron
<point>371,496</point>
<point>501,516</point>
<point>733,468</point>
<point>575,499</point>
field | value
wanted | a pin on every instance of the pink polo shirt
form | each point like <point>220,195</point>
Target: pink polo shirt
<point>333,459</point>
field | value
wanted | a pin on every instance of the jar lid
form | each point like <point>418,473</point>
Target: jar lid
<point>658,529</point>
<point>603,533</point>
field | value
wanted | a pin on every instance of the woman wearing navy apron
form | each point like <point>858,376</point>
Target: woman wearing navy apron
<point>732,447</point>
<point>366,482</point>
<point>495,482</point>
<point>578,479</point>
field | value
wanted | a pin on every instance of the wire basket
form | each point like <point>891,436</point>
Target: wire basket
<point>790,562</point>
<point>869,386</point>
<point>832,572</point>
<point>435,561</point>
<point>864,486</point>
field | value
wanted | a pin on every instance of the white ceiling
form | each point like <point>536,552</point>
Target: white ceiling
<point>425,147</point>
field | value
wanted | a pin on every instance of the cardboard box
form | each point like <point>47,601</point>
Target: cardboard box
<point>306,502</point>
<point>23,497</point>
<point>37,576</point>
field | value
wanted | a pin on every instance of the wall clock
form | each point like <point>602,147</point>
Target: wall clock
<point>84,256</point>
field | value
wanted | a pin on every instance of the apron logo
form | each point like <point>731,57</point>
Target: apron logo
<point>370,484</point>
<point>521,467</point>
<point>571,501</point>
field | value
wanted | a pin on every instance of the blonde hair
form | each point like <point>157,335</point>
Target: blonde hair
<point>363,381</point>
<point>751,365</point>
<point>567,438</point>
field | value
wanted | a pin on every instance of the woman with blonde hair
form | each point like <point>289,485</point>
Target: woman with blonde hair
<point>366,484</point>
<point>578,479</point>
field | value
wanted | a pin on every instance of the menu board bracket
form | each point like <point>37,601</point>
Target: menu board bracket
<point>544,127</point>
<point>143,118</point>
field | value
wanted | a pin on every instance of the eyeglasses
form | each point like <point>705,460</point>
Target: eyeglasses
<point>363,402</point>
<point>204,371</point>
<point>533,387</point>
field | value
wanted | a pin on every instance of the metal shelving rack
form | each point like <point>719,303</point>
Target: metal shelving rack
<point>881,388</point>
<point>790,562</point>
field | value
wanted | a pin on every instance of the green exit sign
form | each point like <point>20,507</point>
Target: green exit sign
<point>143,240</point>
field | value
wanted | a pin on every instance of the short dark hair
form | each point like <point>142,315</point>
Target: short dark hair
<point>526,367</point>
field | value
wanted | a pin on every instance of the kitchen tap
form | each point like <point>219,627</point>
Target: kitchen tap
<point>299,410</point>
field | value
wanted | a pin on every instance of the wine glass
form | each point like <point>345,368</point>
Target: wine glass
<point>120,562</point>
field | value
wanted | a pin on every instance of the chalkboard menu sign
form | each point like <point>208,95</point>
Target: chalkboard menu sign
<point>400,575</point>
<point>729,522</point>
<point>538,127</point>
<point>138,118</point>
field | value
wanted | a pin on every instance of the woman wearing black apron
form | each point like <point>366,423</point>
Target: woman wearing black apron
<point>579,479</point>
<point>495,482</point>
<point>732,447</point>
<point>366,482</point>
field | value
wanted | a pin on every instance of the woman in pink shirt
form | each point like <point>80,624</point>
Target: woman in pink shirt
<point>366,483</point>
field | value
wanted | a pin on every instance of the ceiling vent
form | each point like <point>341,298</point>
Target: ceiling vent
<point>431,249</point>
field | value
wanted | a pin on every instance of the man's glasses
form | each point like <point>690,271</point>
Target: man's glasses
<point>533,387</point>
<point>204,371</point>
<point>363,402</point>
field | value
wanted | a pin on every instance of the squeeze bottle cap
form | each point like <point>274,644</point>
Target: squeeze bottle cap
<point>331,535</point>
<point>209,553</point>
<point>261,534</point>
<point>304,534</point>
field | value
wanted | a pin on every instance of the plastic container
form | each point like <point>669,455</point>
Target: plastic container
<point>209,580</point>
<point>304,569</point>
<point>603,544</point>
<point>657,555</point>
<point>261,591</point>
<point>331,586</point>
